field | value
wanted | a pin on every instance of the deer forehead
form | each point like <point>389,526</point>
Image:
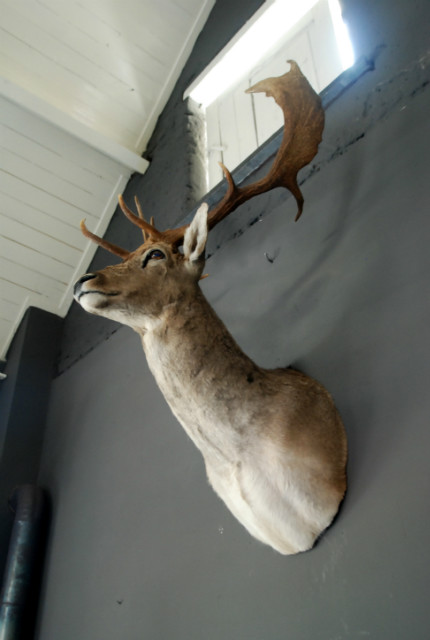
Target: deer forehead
<point>138,254</point>
<point>135,261</point>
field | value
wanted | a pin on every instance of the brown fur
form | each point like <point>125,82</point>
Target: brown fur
<point>273,442</point>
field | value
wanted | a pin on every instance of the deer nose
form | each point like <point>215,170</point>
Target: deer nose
<point>78,284</point>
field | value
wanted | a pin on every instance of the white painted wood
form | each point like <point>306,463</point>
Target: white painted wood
<point>214,146</point>
<point>237,125</point>
<point>81,87</point>
<point>10,293</point>
<point>38,241</point>
<point>110,66</point>
<point>231,131</point>
<point>227,126</point>
<point>48,182</point>
<point>56,61</point>
<point>198,21</point>
<point>34,260</point>
<point>28,216</point>
<point>35,152</point>
<point>325,52</point>
<point>33,125</point>
<point>243,122</point>
<point>43,179</point>
<point>41,284</point>
<point>63,121</point>
<point>42,200</point>
<point>245,117</point>
<point>8,310</point>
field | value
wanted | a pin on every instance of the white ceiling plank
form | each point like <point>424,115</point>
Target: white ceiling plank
<point>42,200</point>
<point>30,280</point>
<point>28,216</point>
<point>58,164</point>
<point>227,119</point>
<point>31,237</point>
<point>35,260</point>
<point>77,100</point>
<point>76,15</point>
<point>26,296</point>
<point>30,124</point>
<point>246,133</point>
<point>8,309</point>
<point>12,293</point>
<point>81,88</point>
<point>91,137</point>
<point>43,178</point>
<point>199,20</point>
<point>190,6</point>
<point>67,66</point>
<point>127,18</point>
<point>214,170</point>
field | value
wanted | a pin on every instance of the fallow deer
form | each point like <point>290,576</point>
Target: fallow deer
<point>273,443</point>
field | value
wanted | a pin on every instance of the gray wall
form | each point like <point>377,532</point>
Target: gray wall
<point>140,546</point>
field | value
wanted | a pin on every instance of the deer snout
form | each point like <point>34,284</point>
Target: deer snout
<point>77,289</point>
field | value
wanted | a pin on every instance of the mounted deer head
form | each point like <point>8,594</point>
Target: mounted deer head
<point>273,443</point>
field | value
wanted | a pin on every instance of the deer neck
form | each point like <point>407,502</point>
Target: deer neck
<point>191,344</point>
<point>192,355</point>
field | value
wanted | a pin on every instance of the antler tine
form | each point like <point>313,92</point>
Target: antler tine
<point>303,126</point>
<point>142,217</point>
<point>139,222</point>
<point>231,200</point>
<point>113,248</point>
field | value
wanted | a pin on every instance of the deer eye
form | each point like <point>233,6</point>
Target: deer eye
<point>156,254</point>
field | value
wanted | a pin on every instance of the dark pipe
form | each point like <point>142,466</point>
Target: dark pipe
<point>19,595</point>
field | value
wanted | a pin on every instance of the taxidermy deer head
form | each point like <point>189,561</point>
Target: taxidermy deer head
<point>272,441</point>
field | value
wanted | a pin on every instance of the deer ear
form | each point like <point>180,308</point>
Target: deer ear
<point>196,234</point>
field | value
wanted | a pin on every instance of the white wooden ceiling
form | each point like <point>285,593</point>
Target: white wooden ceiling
<point>82,84</point>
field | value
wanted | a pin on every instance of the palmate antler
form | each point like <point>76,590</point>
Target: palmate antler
<point>303,127</point>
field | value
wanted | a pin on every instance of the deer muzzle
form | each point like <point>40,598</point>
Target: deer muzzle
<point>78,291</point>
